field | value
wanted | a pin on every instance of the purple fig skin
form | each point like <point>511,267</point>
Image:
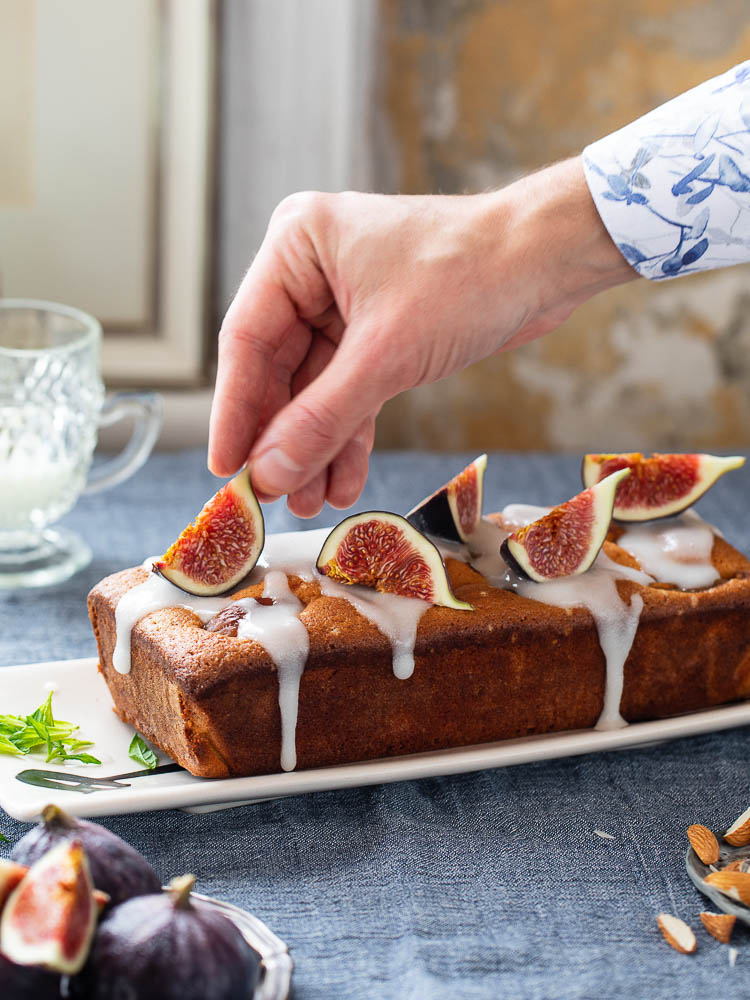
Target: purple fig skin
<point>116,867</point>
<point>153,948</point>
<point>24,982</point>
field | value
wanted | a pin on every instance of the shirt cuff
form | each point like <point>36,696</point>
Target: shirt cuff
<point>673,187</point>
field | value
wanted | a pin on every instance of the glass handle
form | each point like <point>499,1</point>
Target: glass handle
<point>147,408</point>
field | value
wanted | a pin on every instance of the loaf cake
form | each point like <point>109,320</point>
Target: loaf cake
<point>515,666</point>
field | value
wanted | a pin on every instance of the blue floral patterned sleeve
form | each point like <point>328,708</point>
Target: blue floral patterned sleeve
<point>673,187</point>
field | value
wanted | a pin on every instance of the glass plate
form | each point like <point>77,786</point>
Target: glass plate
<point>276,963</point>
<point>698,871</point>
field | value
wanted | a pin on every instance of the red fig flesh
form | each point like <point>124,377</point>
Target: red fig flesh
<point>221,546</point>
<point>10,876</point>
<point>658,486</point>
<point>566,541</point>
<point>382,550</point>
<point>50,918</point>
<point>454,511</point>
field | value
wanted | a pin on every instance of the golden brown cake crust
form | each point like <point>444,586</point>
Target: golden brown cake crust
<point>513,667</point>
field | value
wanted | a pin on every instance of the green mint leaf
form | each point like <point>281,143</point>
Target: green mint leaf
<point>39,728</point>
<point>85,758</point>
<point>6,746</point>
<point>44,713</point>
<point>40,732</point>
<point>141,753</point>
<point>11,724</point>
<point>3,839</point>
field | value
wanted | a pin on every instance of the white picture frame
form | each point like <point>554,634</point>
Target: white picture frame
<point>172,351</point>
<point>107,115</point>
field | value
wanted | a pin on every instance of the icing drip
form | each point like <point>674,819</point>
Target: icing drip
<point>395,616</point>
<point>284,637</point>
<point>596,590</point>
<point>616,622</point>
<point>676,550</point>
<point>291,552</point>
<point>154,594</point>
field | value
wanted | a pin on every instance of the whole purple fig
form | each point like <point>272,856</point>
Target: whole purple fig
<point>165,948</point>
<point>24,982</point>
<point>116,867</point>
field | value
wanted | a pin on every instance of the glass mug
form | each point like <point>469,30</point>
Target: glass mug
<point>51,406</point>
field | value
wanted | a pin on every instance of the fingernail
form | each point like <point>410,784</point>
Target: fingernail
<point>275,472</point>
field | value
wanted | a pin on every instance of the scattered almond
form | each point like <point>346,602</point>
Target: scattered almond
<point>734,866</point>
<point>704,843</point>
<point>738,833</point>
<point>719,925</point>
<point>677,933</point>
<point>734,884</point>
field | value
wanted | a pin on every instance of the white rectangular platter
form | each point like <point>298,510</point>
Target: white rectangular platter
<point>81,696</point>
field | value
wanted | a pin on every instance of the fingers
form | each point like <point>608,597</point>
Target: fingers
<point>347,473</point>
<point>260,318</point>
<point>284,283</point>
<point>308,501</point>
<point>343,481</point>
<point>307,434</point>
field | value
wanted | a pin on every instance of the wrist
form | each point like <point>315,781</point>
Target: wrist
<point>563,232</point>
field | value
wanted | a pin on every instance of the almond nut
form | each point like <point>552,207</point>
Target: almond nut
<point>734,866</point>
<point>738,833</point>
<point>733,884</point>
<point>704,843</point>
<point>719,925</point>
<point>677,933</point>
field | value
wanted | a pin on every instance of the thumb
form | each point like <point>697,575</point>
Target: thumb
<point>305,436</point>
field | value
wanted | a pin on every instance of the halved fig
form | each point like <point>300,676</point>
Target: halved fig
<point>50,918</point>
<point>382,550</point>
<point>10,876</point>
<point>454,511</point>
<point>658,486</point>
<point>566,541</point>
<point>222,544</point>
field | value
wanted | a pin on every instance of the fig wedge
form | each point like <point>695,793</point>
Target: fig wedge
<point>50,918</point>
<point>566,541</point>
<point>222,544</point>
<point>454,511</point>
<point>658,486</point>
<point>382,550</point>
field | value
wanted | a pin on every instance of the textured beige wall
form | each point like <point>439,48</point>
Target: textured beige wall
<point>477,92</point>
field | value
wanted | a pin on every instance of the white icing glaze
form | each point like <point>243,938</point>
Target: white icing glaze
<point>676,550</point>
<point>292,552</point>
<point>154,594</point>
<point>396,617</point>
<point>284,637</point>
<point>616,622</point>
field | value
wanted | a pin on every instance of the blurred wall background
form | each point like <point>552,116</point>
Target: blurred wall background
<point>477,92</point>
<point>392,95</point>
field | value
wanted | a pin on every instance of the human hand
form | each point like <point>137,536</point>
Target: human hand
<point>354,298</point>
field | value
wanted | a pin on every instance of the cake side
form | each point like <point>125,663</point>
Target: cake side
<point>513,667</point>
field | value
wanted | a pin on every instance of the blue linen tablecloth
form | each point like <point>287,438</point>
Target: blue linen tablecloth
<point>486,885</point>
